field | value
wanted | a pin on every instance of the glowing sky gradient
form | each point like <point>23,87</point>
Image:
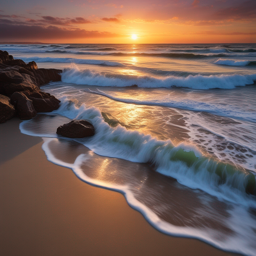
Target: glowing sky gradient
<point>112,21</point>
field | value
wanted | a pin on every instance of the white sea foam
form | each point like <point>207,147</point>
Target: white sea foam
<point>183,162</point>
<point>193,105</point>
<point>87,77</point>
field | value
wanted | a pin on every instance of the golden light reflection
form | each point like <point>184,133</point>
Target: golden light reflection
<point>129,72</point>
<point>134,116</point>
<point>134,60</point>
<point>102,170</point>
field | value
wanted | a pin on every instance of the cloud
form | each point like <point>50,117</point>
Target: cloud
<point>35,32</point>
<point>245,10</point>
<point>111,20</point>
<point>59,21</point>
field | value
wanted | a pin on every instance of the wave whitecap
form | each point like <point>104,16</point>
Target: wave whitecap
<point>236,63</point>
<point>87,77</point>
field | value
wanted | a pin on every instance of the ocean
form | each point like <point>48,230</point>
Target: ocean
<point>175,131</point>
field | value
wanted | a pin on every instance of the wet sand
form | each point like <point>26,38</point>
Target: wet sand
<point>46,210</point>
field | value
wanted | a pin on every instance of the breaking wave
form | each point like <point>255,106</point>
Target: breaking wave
<point>87,77</point>
<point>184,162</point>
<point>238,63</point>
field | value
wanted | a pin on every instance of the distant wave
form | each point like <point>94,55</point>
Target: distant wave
<point>152,54</point>
<point>238,63</point>
<point>87,77</point>
<point>166,51</point>
<point>243,50</point>
<point>71,60</point>
<point>57,51</point>
<point>107,51</point>
<point>203,50</point>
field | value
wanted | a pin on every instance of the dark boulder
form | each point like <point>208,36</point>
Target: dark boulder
<point>10,76</point>
<point>12,81</point>
<point>4,56</point>
<point>45,76</point>
<point>76,129</point>
<point>17,62</point>
<point>23,105</point>
<point>3,65</point>
<point>23,70</point>
<point>9,89</point>
<point>7,110</point>
<point>43,102</point>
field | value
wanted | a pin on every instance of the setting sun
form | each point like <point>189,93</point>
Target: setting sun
<point>134,37</point>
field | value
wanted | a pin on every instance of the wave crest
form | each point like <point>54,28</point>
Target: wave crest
<point>238,63</point>
<point>87,77</point>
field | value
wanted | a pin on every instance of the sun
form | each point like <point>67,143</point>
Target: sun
<point>134,37</point>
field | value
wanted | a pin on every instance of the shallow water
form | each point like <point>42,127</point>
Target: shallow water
<point>181,151</point>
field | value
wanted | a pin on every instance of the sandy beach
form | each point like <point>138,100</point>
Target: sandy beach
<point>47,210</point>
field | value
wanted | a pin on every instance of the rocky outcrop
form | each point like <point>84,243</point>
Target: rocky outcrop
<point>13,81</point>
<point>43,102</point>
<point>21,82</point>
<point>76,129</point>
<point>7,110</point>
<point>23,105</point>
<point>4,57</point>
<point>45,76</point>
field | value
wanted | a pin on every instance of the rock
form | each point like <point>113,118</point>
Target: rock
<point>32,65</point>
<point>76,129</point>
<point>43,102</point>
<point>23,105</point>
<point>17,77</point>
<point>7,110</point>
<point>2,65</point>
<point>45,76</point>
<point>12,81</point>
<point>9,89</point>
<point>17,62</point>
<point>23,70</point>
<point>11,76</point>
<point>4,56</point>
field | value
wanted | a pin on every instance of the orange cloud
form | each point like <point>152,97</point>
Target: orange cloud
<point>111,20</point>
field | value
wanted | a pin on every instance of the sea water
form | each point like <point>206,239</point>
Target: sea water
<point>175,131</point>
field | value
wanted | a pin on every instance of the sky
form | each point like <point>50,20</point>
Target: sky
<point>113,21</point>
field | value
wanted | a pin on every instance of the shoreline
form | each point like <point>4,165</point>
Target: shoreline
<point>47,210</point>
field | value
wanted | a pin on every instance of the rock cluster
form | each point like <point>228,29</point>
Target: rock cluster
<point>20,88</point>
